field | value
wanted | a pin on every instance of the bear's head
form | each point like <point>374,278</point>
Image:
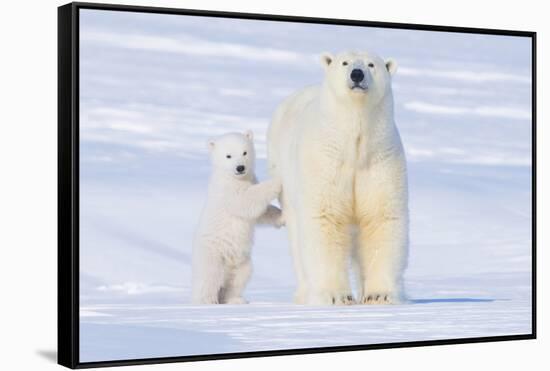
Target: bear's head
<point>360,76</point>
<point>233,154</point>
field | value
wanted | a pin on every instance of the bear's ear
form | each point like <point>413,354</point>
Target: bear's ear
<point>249,134</point>
<point>326,59</point>
<point>211,145</point>
<point>391,66</point>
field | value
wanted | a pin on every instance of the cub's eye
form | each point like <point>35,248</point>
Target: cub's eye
<point>371,65</point>
<point>344,63</point>
<point>244,153</point>
<point>228,156</point>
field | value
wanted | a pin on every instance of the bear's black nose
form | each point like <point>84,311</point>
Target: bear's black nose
<point>240,168</point>
<point>357,75</point>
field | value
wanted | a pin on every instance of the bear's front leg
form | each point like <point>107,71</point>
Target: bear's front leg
<point>382,216</point>
<point>326,257</point>
<point>253,203</point>
<point>381,254</point>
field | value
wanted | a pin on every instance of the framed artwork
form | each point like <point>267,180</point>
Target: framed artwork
<point>241,185</point>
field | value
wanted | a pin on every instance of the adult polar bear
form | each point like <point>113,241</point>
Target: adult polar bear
<point>341,161</point>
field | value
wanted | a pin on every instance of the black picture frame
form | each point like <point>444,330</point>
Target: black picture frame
<point>68,182</point>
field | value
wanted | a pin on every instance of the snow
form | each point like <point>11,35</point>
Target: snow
<point>502,307</point>
<point>155,87</point>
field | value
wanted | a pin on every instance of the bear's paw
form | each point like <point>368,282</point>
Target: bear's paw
<point>236,301</point>
<point>333,299</point>
<point>379,298</point>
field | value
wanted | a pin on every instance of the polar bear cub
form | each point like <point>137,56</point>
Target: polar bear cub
<point>236,202</point>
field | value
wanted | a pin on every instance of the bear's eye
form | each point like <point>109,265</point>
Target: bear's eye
<point>244,153</point>
<point>228,156</point>
<point>371,65</point>
<point>344,63</point>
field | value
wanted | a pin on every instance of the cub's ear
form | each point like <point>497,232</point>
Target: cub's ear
<point>211,145</point>
<point>249,134</point>
<point>391,65</point>
<point>326,59</point>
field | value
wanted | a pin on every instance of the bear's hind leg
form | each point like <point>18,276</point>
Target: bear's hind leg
<point>208,279</point>
<point>235,284</point>
<point>300,295</point>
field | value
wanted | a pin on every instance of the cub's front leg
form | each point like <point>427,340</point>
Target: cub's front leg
<point>253,202</point>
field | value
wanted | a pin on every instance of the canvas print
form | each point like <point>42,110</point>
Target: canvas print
<point>258,185</point>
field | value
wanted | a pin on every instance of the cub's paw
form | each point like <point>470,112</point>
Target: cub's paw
<point>275,186</point>
<point>209,300</point>
<point>280,221</point>
<point>236,300</point>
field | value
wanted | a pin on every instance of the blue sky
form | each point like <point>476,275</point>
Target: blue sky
<point>157,86</point>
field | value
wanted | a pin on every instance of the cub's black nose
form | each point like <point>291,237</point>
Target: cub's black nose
<point>240,168</point>
<point>357,75</point>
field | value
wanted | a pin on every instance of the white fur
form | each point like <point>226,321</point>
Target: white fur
<point>343,169</point>
<point>235,204</point>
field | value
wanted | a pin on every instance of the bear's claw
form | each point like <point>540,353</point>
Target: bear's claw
<point>342,300</point>
<point>377,299</point>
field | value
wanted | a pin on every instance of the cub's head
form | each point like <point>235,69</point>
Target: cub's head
<point>233,154</point>
<point>358,75</point>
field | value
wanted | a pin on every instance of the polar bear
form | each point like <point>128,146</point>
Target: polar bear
<point>339,155</point>
<point>235,204</point>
